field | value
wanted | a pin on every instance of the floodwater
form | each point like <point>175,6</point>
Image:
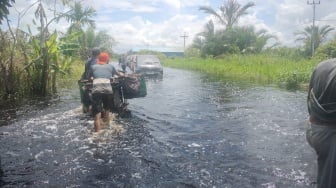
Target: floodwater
<point>189,131</point>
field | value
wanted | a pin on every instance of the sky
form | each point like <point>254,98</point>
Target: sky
<point>161,24</point>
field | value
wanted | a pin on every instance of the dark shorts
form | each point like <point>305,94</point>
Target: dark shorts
<point>101,101</point>
<point>323,139</point>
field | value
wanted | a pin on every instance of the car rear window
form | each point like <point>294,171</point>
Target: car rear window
<point>148,60</point>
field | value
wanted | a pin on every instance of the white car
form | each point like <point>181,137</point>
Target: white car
<point>148,65</point>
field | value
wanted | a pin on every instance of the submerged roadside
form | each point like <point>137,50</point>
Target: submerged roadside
<point>259,69</point>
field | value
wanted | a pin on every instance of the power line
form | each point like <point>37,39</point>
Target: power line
<point>328,20</point>
<point>184,40</point>
<point>313,31</point>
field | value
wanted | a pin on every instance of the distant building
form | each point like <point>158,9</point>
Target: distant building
<point>173,54</point>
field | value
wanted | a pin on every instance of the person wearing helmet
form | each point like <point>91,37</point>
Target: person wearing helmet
<point>102,92</point>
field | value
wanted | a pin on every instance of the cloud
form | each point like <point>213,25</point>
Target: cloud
<point>159,24</point>
<point>138,33</point>
<point>113,6</point>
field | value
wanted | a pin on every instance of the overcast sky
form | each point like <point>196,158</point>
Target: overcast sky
<point>159,24</point>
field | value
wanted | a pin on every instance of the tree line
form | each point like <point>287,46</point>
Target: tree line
<point>234,39</point>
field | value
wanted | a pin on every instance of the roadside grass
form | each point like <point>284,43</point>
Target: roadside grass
<point>257,69</point>
<point>71,78</point>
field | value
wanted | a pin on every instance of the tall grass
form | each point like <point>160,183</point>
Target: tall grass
<point>71,78</point>
<point>258,69</point>
<point>255,69</point>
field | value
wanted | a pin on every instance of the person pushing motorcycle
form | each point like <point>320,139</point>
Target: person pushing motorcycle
<point>102,91</point>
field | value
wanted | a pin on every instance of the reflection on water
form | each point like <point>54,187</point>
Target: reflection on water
<point>187,132</point>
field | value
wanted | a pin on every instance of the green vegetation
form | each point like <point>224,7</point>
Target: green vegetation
<point>258,69</point>
<point>313,36</point>
<point>69,80</point>
<point>230,12</point>
<point>4,5</point>
<point>232,39</point>
<point>32,64</point>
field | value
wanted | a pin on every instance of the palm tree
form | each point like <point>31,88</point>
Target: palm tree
<point>262,39</point>
<point>4,5</point>
<point>201,38</point>
<point>101,39</point>
<point>229,12</point>
<point>79,17</point>
<point>313,36</point>
<point>209,30</point>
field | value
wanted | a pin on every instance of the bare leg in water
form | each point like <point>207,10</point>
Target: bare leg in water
<point>97,122</point>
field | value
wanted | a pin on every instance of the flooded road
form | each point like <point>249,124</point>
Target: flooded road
<point>189,131</point>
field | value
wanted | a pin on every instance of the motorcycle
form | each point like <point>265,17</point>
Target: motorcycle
<point>124,87</point>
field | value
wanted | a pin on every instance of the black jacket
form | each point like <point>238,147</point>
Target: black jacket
<point>322,92</point>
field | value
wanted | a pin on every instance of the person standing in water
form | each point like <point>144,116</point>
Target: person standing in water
<point>321,132</point>
<point>85,98</point>
<point>102,92</point>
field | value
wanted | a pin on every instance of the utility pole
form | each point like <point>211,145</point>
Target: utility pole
<point>313,31</point>
<point>184,40</point>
